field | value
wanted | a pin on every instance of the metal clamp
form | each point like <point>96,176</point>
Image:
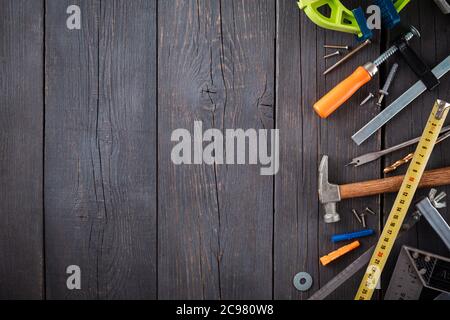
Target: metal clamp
<point>416,63</point>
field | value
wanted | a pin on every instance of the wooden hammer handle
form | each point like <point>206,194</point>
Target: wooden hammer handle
<point>433,178</point>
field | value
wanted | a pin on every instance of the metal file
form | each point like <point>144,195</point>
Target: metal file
<point>398,105</point>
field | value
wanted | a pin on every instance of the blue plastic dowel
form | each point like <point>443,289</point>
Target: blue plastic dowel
<point>351,236</point>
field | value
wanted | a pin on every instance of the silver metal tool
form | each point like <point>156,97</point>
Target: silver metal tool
<point>303,281</point>
<point>410,156</point>
<point>398,105</point>
<point>443,5</point>
<point>415,270</point>
<point>431,214</point>
<point>369,97</point>
<point>348,56</point>
<point>385,91</point>
<point>367,158</point>
<point>337,53</point>
<point>356,266</point>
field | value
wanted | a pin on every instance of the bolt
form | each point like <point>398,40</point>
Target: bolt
<point>370,211</point>
<point>330,46</point>
<point>385,91</point>
<point>363,219</point>
<point>392,50</point>
<point>369,97</point>
<point>332,54</point>
<point>355,213</point>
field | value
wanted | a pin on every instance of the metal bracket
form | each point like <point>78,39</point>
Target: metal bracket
<point>434,218</point>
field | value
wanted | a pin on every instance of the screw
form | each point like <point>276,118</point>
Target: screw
<point>369,97</point>
<point>370,211</point>
<point>355,213</point>
<point>332,54</point>
<point>385,91</point>
<point>330,46</point>
<point>363,219</point>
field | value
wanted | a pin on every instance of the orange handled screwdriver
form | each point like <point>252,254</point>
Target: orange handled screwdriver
<point>347,88</point>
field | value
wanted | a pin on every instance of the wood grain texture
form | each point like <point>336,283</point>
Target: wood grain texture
<point>296,203</point>
<point>100,157</point>
<point>21,149</point>
<point>215,222</point>
<point>334,140</point>
<point>141,227</point>
<point>431,178</point>
<point>433,46</point>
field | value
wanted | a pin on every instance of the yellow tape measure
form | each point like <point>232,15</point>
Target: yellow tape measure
<point>403,201</point>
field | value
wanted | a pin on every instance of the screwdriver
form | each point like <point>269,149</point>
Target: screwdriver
<point>347,88</point>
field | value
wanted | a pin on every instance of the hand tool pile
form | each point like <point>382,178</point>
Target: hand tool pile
<point>416,269</point>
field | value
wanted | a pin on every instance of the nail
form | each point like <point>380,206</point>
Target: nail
<point>332,46</point>
<point>355,213</point>
<point>363,218</point>
<point>369,97</point>
<point>332,54</point>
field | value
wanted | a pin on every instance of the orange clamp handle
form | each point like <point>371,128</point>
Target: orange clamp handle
<point>342,92</point>
<point>326,260</point>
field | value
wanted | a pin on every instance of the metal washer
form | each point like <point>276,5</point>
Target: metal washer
<point>303,281</point>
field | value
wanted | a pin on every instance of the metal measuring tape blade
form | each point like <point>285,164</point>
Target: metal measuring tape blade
<point>356,265</point>
<point>415,270</point>
<point>403,200</point>
<point>398,105</point>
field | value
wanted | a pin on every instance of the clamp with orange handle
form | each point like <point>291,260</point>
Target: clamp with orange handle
<point>347,88</point>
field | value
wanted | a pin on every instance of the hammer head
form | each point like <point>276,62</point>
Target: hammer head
<point>329,193</point>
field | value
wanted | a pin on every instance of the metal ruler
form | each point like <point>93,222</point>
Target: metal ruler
<point>403,200</point>
<point>415,270</point>
<point>398,105</point>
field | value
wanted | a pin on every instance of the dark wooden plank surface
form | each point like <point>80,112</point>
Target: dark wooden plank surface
<point>296,246</point>
<point>433,46</point>
<point>335,141</point>
<point>216,63</point>
<point>116,205</point>
<point>100,159</point>
<point>21,148</point>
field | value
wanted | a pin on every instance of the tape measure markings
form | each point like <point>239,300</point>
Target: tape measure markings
<point>403,201</point>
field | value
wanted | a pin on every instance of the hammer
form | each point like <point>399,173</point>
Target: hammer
<point>330,194</point>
